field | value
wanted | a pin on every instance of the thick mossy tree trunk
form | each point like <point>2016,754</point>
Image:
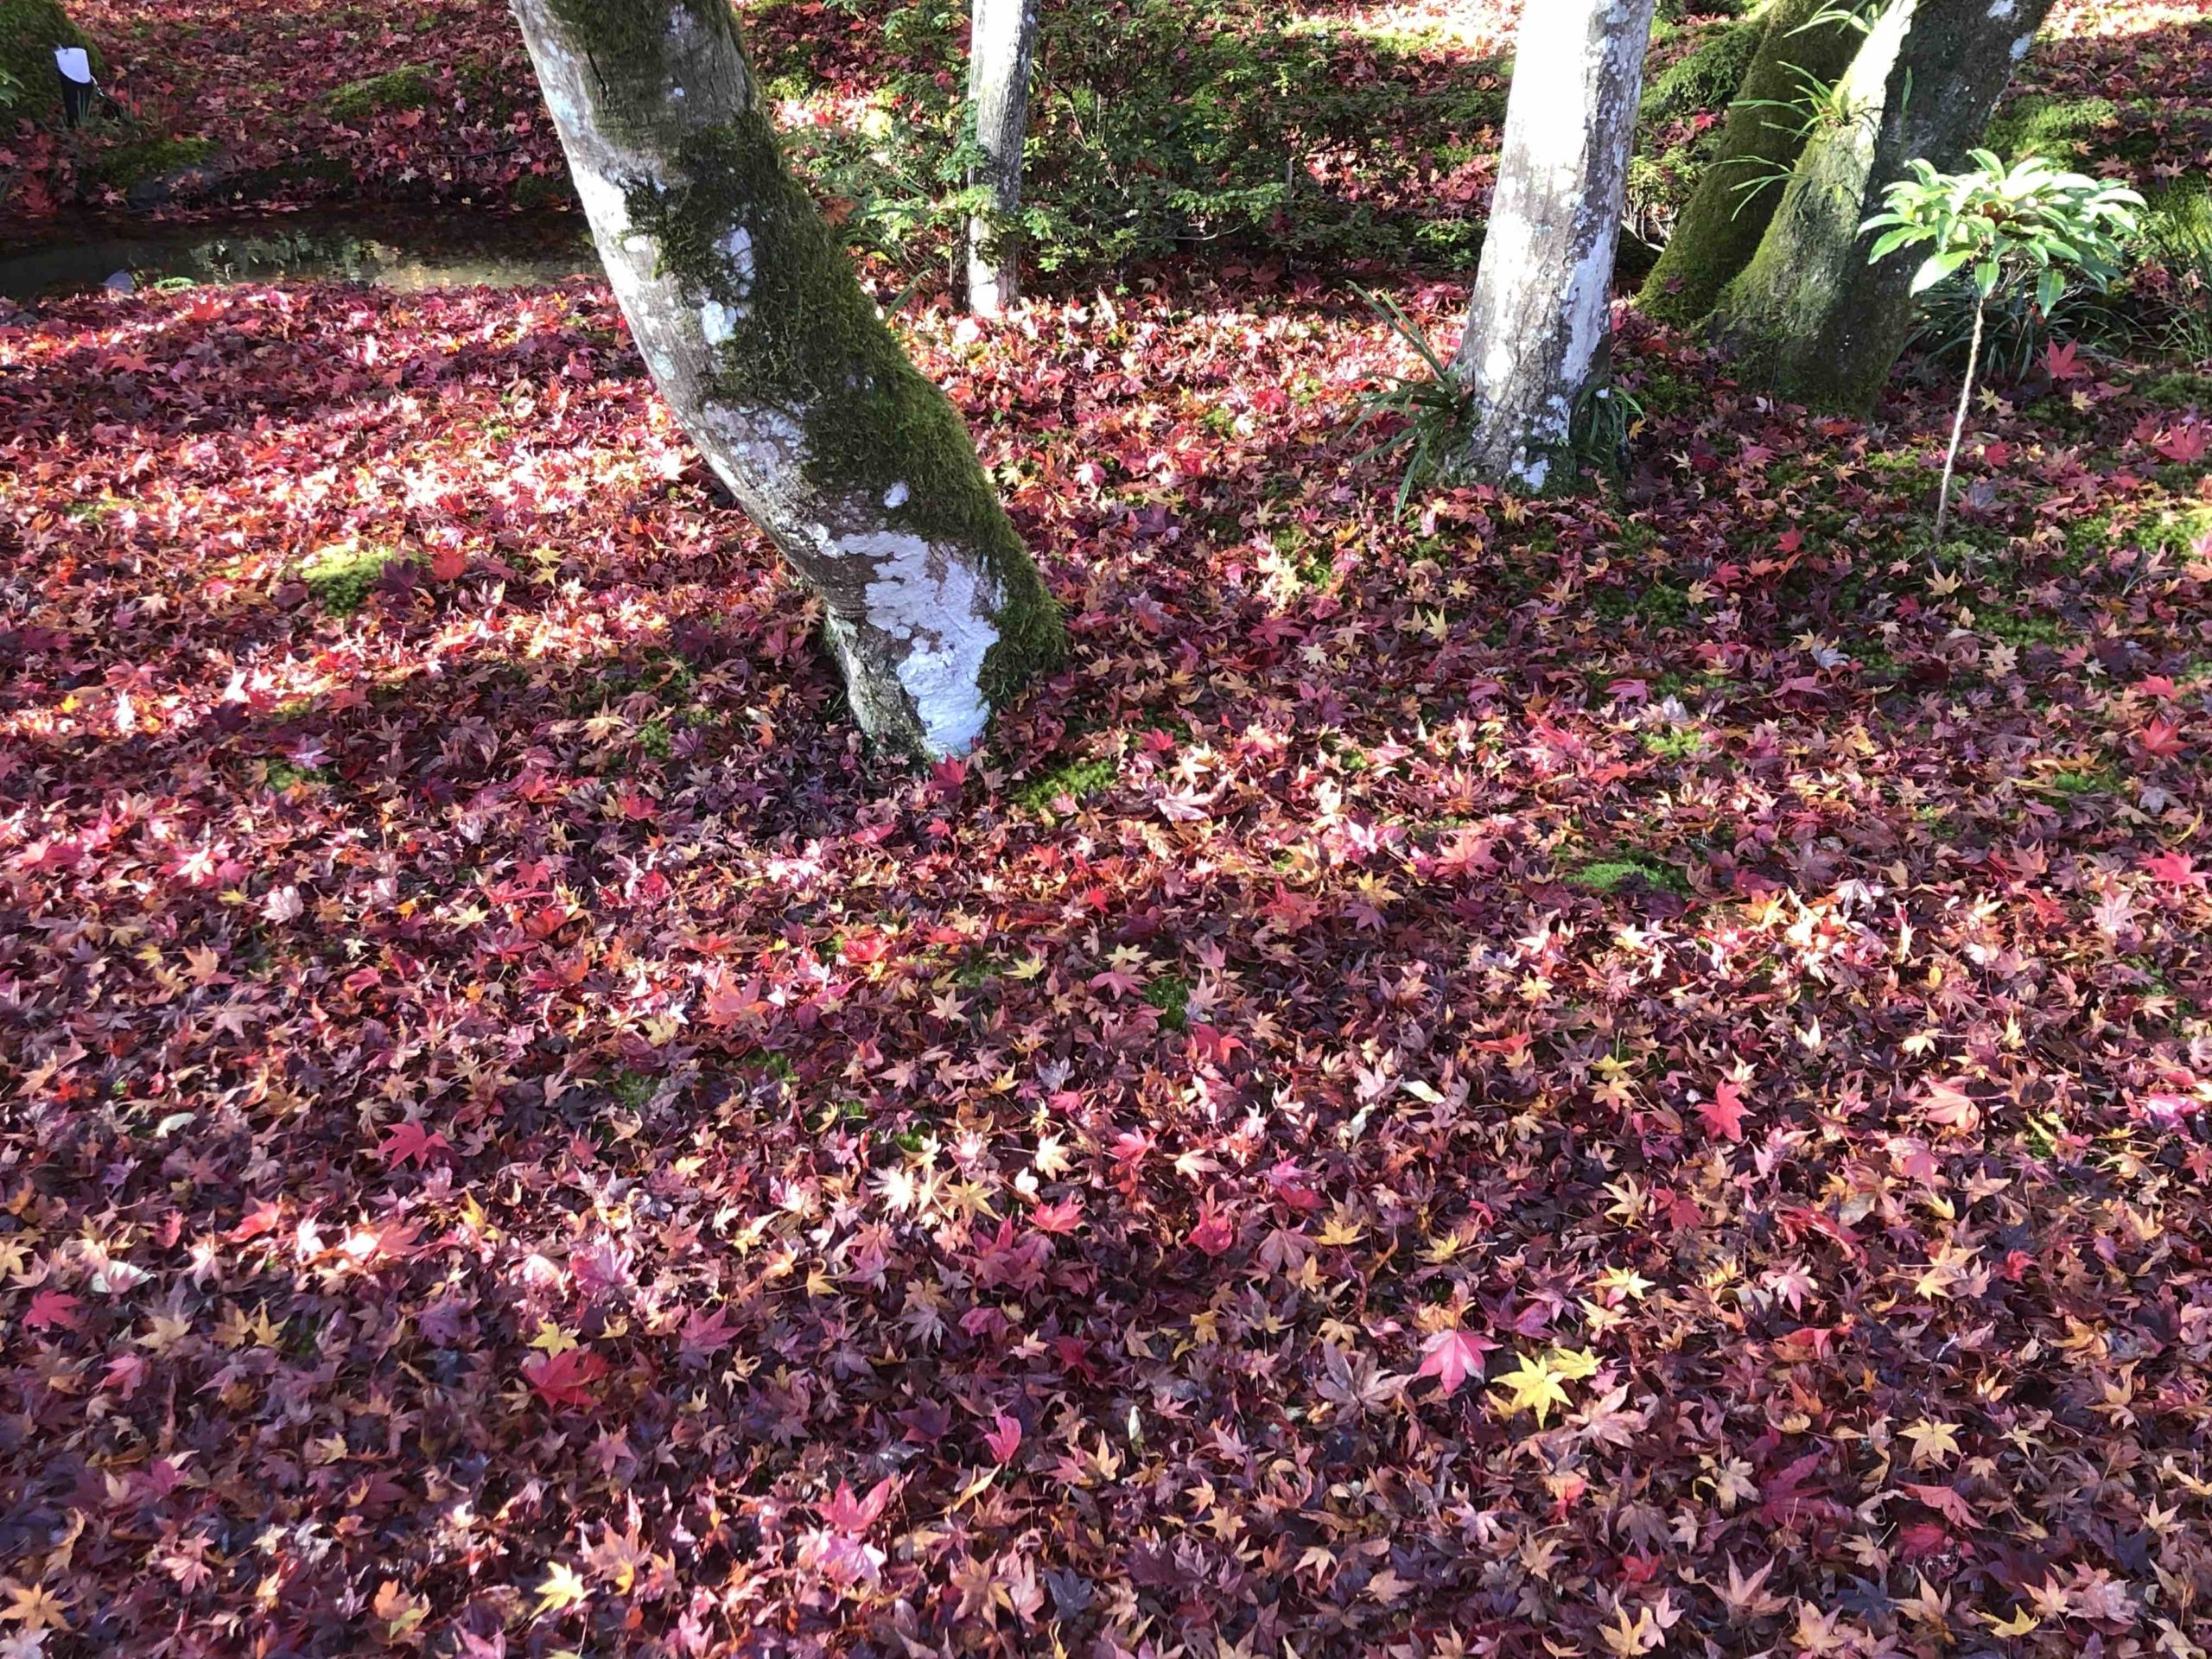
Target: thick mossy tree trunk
<point>1002,40</point>
<point>760,335</point>
<point>1803,43</point>
<point>1808,317</point>
<point>1537,328</point>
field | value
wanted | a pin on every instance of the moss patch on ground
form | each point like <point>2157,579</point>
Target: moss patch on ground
<point>138,159</point>
<point>341,577</point>
<point>407,87</point>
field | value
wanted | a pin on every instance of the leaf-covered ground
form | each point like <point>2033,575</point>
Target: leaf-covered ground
<point>1592,1076</point>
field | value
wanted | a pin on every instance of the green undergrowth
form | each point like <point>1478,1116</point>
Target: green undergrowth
<point>1156,129</point>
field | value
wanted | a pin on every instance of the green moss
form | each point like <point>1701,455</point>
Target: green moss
<point>2180,532</point>
<point>341,577</point>
<point>1636,869</point>
<point>407,87</point>
<point>1170,994</point>
<point>1078,780</point>
<point>807,341</point>
<point>1685,743</point>
<point>2073,784</point>
<point>2066,130</point>
<point>30,31</point>
<point>2018,628</point>
<point>1705,78</point>
<point>139,159</point>
<point>2180,390</point>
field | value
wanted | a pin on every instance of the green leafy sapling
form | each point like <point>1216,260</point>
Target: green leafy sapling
<point>2002,225</point>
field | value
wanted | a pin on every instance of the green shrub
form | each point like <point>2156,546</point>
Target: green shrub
<point>1155,126</point>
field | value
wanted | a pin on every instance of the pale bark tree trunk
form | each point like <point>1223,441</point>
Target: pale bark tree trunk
<point>1764,134</point>
<point>1002,40</point>
<point>1808,317</point>
<point>758,332</point>
<point>1537,328</point>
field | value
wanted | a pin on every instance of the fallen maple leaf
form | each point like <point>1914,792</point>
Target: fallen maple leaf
<point>565,1379</point>
<point>2175,869</point>
<point>1003,1437</point>
<point>50,1310</point>
<point>1451,1356</point>
<point>1724,1113</point>
<point>410,1142</point>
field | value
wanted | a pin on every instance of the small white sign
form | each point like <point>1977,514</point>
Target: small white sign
<point>74,63</point>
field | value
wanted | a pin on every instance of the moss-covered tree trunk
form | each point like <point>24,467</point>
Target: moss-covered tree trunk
<point>1803,42</point>
<point>756,331</point>
<point>1537,327</point>
<point>1810,318</point>
<point>1001,43</point>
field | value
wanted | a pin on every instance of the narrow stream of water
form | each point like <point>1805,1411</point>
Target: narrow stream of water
<point>431,249</point>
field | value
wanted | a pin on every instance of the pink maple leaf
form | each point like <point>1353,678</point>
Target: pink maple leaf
<point>1451,1356</point>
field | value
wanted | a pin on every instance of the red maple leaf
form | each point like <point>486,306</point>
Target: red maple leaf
<point>2064,362</point>
<point>2160,738</point>
<point>1724,1113</point>
<point>1451,1356</point>
<point>1214,1232</point>
<point>2185,444</point>
<point>849,1514</point>
<point>50,1309</point>
<point>1003,1437</point>
<point>2175,869</point>
<point>411,1143</point>
<point>565,1378</point>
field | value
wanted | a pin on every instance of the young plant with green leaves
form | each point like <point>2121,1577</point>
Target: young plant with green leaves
<point>2027,225</point>
<point>1436,414</point>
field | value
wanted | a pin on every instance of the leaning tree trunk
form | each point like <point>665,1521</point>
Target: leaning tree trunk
<point>1536,330</point>
<point>758,332</point>
<point>1001,42</point>
<point>1760,141</point>
<point>1810,318</point>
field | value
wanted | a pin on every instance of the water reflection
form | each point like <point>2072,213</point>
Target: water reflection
<point>407,254</point>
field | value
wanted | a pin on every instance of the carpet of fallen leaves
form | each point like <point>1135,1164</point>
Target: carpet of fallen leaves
<point>1612,1073</point>
<point>1605,1076</point>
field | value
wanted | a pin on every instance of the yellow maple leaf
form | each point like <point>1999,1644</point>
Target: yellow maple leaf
<point>561,1590</point>
<point>34,1605</point>
<point>2020,1624</point>
<point>552,1339</point>
<point>1535,1386</point>
<point>1932,1442</point>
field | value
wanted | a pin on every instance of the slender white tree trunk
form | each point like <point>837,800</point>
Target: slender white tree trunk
<point>749,315</point>
<point>1002,42</point>
<point>1538,326</point>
